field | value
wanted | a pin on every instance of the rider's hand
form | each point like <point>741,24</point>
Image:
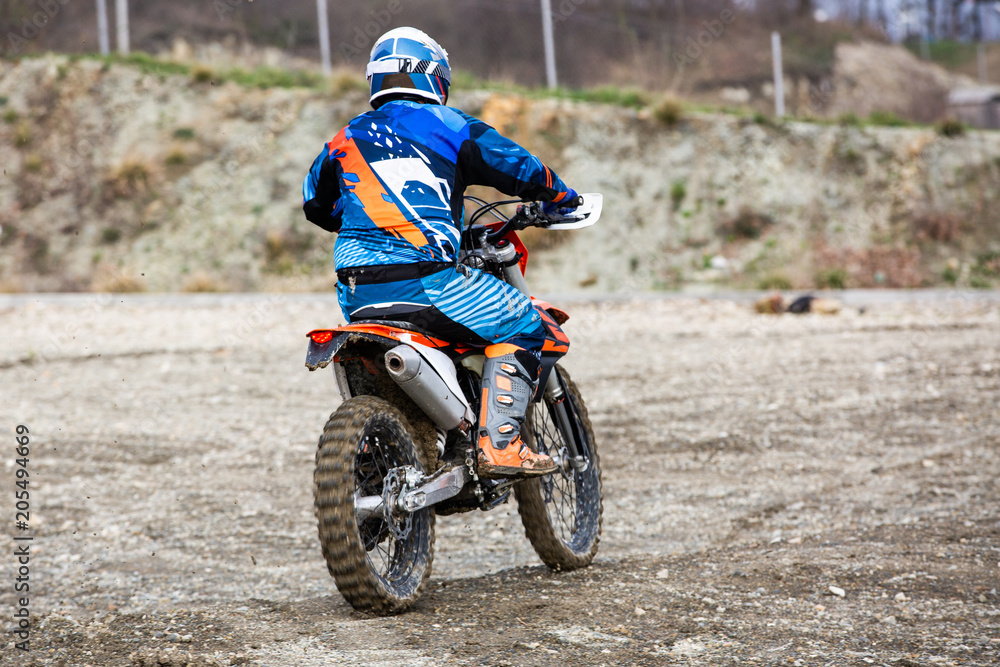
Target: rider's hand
<point>565,207</point>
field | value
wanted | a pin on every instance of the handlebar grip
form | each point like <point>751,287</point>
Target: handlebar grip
<point>578,201</point>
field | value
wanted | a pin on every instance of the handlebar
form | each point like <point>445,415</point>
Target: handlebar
<point>528,215</point>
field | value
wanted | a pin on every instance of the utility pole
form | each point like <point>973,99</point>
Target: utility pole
<point>102,27</point>
<point>550,49</point>
<point>121,17</point>
<point>324,35</point>
<point>779,76</point>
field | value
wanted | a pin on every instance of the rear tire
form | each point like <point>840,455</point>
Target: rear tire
<point>562,512</point>
<point>374,569</point>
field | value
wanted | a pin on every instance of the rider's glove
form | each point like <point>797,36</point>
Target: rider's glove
<point>568,205</point>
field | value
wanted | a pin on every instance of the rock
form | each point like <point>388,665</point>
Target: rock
<point>838,591</point>
<point>639,611</point>
<point>663,574</point>
<point>900,597</point>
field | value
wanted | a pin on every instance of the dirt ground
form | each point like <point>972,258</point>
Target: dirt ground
<point>794,490</point>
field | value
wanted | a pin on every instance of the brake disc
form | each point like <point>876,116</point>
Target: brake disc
<point>399,522</point>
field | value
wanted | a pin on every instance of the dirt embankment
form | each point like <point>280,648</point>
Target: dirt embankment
<point>131,178</point>
<point>778,491</point>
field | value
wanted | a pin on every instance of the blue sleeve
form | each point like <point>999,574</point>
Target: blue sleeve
<point>489,158</point>
<point>321,201</point>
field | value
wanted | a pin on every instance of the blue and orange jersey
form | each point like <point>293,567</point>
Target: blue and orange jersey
<point>392,181</point>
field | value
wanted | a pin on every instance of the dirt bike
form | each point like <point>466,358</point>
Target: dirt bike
<point>401,448</point>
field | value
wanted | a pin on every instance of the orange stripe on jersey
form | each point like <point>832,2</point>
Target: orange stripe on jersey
<point>369,189</point>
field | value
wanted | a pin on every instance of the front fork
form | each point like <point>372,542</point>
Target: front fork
<point>555,397</point>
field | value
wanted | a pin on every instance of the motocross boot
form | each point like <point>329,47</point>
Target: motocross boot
<point>510,376</point>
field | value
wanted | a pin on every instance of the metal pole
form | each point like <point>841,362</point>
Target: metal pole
<point>779,77</point>
<point>324,35</point>
<point>102,27</point>
<point>121,17</point>
<point>550,49</point>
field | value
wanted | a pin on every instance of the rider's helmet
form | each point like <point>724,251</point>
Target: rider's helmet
<point>406,63</point>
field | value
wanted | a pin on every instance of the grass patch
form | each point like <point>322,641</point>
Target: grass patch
<point>184,133</point>
<point>886,119</point>
<point>147,64</point>
<point>10,116</point>
<point>271,77</point>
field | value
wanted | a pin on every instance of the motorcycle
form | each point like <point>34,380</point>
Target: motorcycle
<point>401,447</point>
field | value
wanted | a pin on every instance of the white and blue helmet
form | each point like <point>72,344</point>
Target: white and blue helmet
<point>405,61</point>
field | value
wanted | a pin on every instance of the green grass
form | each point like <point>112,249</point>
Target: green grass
<point>947,53</point>
<point>271,77</point>
<point>886,119</point>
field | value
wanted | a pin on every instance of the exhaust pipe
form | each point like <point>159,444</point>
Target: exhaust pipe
<point>417,376</point>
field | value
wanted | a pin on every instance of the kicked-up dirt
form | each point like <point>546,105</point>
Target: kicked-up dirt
<point>790,490</point>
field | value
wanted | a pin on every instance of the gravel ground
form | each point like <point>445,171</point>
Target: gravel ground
<point>778,490</point>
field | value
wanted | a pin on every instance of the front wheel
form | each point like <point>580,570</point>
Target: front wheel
<point>561,512</point>
<point>380,560</point>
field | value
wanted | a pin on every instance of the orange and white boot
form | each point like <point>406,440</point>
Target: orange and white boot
<point>510,376</point>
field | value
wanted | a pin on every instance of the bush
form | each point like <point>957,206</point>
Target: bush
<point>128,179</point>
<point>202,74</point>
<point>176,158</point>
<point>951,128</point>
<point>33,162</point>
<point>23,135</point>
<point>774,281</point>
<point>110,235</point>
<point>184,133</point>
<point>668,111</point>
<point>831,279</point>
<point>10,116</point>
<point>849,119</point>
<point>678,191</point>
<point>747,224</point>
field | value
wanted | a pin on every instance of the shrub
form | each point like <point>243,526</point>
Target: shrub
<point>774,281</point>
<point>831,279</point>
<point>128,179</point>
<point>988,264</point>
<point>938,227</point>
<point>176,157</point>
<point>111,235</point>
<point>184,133</point>
<point>33,162</point>
<point>10,116</point>
<point>23,134</point>
<point>747,224</point>
<point>678,191</point>
<point>951,128</point>
<point>668,111</point>
<point>849,119</point>
<point>950,275</point>
<point>202,74</point>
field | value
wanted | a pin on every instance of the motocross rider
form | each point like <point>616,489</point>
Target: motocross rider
<point>391,185</point>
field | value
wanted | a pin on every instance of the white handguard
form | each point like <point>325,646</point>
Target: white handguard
<point>585,215</point>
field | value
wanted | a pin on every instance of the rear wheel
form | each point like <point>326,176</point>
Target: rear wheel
<point>561,512</point>
<point>380,561</point>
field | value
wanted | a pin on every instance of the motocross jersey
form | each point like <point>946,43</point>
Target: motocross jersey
<point>392,182</point>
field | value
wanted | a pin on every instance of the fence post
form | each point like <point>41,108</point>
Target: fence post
<point>324,35</point>
<point>102,27</point>
<point>550,49</point>
<point>121,17</point>
<point>779,76</point>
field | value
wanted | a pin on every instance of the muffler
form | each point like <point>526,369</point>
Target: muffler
<point>428,377</point>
